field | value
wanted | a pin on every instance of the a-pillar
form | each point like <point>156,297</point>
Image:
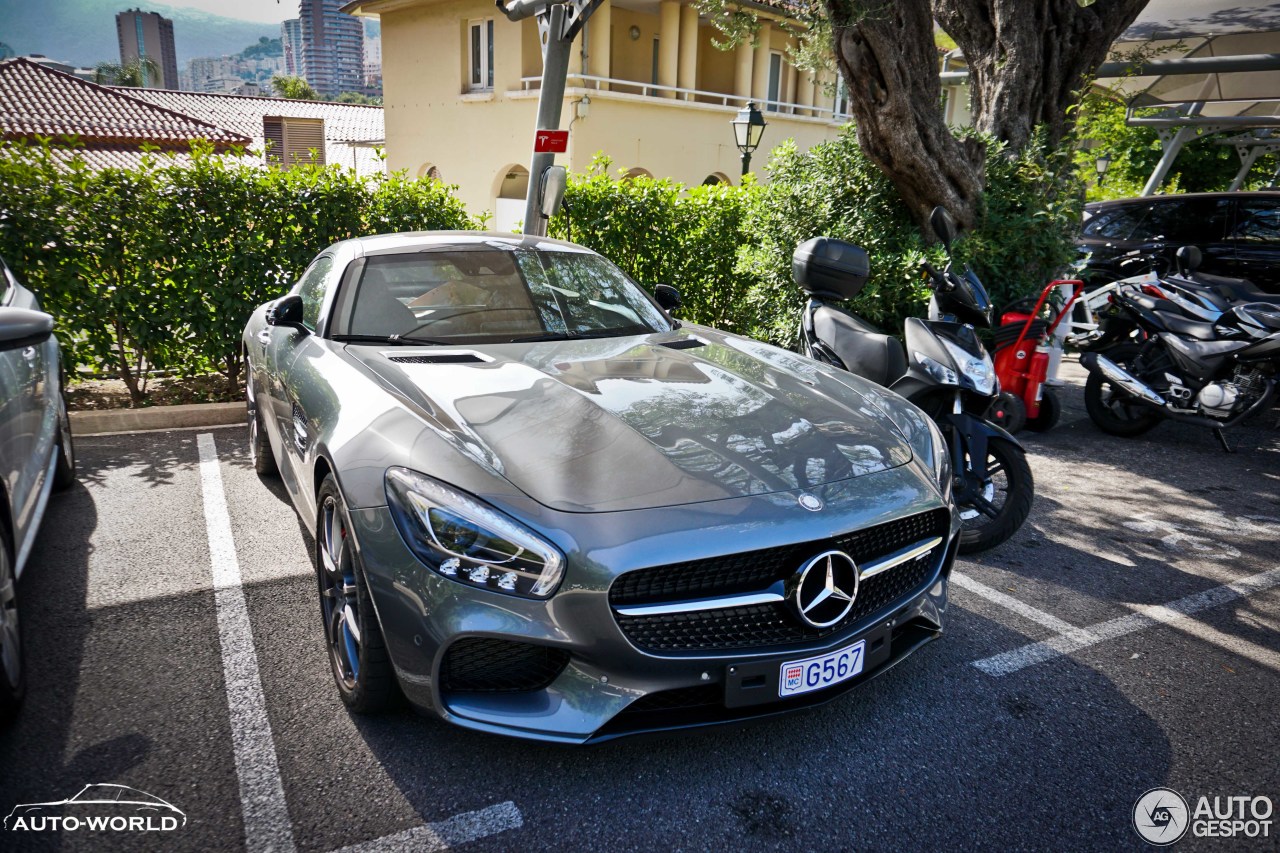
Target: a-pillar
<point>688,73</point>
<point>668,44</point>
<point>760,65</point>
<point>599,47</point>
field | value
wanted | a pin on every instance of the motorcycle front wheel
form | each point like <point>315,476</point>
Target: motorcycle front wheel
<point>1002,498</point>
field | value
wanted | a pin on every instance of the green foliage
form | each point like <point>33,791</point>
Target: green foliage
<point>659,232</point>
<point>1202,166</point>
<point>359,98</point>
<point>136,73</point>
<point>160,266</point>
<point>264,49</point>
<point>293,88</point>
<point>729,248</point>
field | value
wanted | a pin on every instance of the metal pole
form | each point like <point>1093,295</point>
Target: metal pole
<point>746,163</point>
<point>1247,158</point>
<point>555,68</point>
<point>1172,145</point>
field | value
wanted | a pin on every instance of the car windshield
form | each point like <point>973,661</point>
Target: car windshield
<point>492,295</point>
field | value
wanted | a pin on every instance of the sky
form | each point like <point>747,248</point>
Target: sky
<point>266,11</point>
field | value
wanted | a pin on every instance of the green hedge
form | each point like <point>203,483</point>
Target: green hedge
<point>729,248</point>
<point>160,266</point>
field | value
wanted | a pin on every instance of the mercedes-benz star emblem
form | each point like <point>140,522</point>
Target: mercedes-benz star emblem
<point>813,503</point>
<point>825,588</point>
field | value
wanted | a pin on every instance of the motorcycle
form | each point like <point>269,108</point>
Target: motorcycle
<point>1183,368</point>
<point>949,374</point>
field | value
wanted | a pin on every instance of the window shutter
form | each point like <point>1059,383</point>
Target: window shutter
<point>301,135</point>
<point>273,133</point>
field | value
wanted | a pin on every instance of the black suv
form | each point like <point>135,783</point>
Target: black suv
<point>1237,233</point>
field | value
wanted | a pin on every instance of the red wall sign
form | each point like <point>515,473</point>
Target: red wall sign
<point>551,142</point>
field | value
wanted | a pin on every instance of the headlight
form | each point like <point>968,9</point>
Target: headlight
<point>939,371</point>
<point>467,541</point>
<point>979,372</point>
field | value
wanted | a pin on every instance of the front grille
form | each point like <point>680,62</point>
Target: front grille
<point>773,624</point>
<point>756,570</point>
<point>487,665</point>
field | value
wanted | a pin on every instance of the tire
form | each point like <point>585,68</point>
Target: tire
<point>358,658</point>
<point>1008,412</point>
<point>980,532</point>
<point>1050,412</point>
<point>64,469</point>
<point>260,452</point>
<point>1106,405</point>
<point>13,675</point>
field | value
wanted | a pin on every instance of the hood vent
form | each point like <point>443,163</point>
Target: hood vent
<point>684,343</point>
<point>438,358</point>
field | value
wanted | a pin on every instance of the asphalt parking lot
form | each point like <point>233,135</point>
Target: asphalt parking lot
<point>1127,638</point>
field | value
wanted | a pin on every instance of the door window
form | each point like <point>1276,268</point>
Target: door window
<point>1258,221</point>
<point>312,288</point>
<point>1117,223</point>
<point>1184,221</point>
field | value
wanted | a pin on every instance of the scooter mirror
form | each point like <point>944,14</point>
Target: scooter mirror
<point>944,226</point>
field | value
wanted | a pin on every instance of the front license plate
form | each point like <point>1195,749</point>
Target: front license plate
<point>801,676</point>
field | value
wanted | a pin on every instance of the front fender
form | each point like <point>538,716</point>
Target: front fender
<point>973,433</point>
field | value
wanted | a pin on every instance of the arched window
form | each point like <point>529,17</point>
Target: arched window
<point>637,172</point>
<point>716,178</point>
<point>429,170</point>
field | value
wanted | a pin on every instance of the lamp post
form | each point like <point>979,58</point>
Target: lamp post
<point>748,127</point>
<point>1101,165</point>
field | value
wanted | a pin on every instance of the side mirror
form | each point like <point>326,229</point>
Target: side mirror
<point>555,179</point>
<point>944,226</point>
<point>286,311</point>
<point>20,328</point>
<point>667,296</point>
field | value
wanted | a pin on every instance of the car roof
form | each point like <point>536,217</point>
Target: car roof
<point>1120,202</point>
<point>419,241</point>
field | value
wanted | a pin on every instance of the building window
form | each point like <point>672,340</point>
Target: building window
<point>481,50</point>
<point>775,82</point>
<point>293,140</point>
<point>842,97</point>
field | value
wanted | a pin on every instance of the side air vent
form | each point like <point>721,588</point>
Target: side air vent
<point>439,358</point>
<point>685,343</point>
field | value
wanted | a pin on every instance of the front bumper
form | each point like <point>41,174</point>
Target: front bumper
<point>609,685</point>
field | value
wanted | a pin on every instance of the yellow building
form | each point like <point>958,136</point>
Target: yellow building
<point>646,86</point>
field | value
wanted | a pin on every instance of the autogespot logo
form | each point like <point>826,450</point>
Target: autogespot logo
<point>98,808</point>
<point>1160,816</point>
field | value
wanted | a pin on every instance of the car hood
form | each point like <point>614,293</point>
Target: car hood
<point>640,422</point>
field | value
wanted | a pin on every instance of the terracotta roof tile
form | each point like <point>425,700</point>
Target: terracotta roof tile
<point>35,100</point>
<point>243,114</point>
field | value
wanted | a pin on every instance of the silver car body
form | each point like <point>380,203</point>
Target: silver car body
<point>628,454</point>
<point>30,409</point>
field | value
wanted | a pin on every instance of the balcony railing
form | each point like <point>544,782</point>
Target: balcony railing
<point>654,90</point>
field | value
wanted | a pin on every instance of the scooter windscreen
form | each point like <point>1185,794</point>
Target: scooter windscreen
<point>967,301</point>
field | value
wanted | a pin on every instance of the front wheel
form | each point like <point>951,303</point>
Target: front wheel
<point>357,652</point>
<point>64,470</point>
<point>996,502</point>
<point>12,675</point>
<point>1110,407</point>
<point>260,452</point>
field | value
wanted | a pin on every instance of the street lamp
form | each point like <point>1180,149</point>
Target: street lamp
<point>1102,164</point>
<point>748,127</point>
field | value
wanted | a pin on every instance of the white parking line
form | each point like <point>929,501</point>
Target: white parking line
<point>266,817</point>
<point>434,837</point>
<point>1175,613</point>
<point>1026,611</point>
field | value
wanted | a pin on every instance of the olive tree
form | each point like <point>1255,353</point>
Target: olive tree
<point>1029,61</point>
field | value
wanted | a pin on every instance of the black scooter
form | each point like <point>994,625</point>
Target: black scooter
<point>944,370</point>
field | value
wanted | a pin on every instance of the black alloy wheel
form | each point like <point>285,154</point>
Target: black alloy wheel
<point>12,672</point>
<point>357,652</point>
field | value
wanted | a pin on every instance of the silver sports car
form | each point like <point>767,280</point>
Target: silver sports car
<point>544,508</point>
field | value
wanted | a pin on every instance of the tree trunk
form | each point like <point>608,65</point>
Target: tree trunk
<point>885,50</point>
<point>1030,61</point>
